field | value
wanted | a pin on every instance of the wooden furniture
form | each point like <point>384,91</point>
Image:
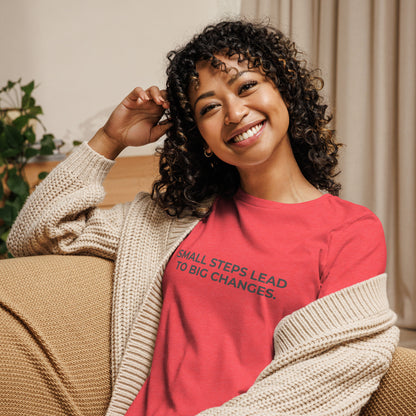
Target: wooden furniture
<point>128,176</point>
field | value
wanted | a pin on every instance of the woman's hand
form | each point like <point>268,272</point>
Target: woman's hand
<point>134,122</point>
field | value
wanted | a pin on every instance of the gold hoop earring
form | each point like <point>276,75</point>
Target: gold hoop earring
<point>207,154</point>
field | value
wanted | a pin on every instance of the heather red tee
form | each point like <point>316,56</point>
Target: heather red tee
<point>231,281</point>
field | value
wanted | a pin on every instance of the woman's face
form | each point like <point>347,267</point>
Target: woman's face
<point>240,114</point>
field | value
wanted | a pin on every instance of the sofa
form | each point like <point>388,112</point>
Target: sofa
<point>55,316</point>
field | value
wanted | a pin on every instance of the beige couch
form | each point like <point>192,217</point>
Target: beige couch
<point>55,342</point>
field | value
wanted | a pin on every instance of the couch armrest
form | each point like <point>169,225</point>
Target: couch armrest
<point>396,395</point>
<point>55,315</point>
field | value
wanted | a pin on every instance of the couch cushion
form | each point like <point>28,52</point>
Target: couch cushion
<point>55,314</point>
<point>396,395</point>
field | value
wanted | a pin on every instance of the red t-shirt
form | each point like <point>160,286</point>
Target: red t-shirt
<point>231,281</point>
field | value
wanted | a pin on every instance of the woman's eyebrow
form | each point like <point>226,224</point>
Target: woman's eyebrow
<point>237,75</point>
<point>204,95</point>
<point>229,82</point>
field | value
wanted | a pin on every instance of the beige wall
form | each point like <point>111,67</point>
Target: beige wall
<point>87,54</point>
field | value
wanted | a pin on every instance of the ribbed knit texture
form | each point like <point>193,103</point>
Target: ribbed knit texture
<point>330,355</point>
<point>55,315</point>
<point>396,395</point>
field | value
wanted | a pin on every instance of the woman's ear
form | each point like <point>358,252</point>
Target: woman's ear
<point>207,151</point>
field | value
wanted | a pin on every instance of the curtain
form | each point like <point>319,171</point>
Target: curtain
<point>366,50</point>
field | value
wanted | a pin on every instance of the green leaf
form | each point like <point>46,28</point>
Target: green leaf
<point>17,203</point>
<point>43,175</point>
<point>31,152</point>
<point>3,141</point>
<point>1,189</point>
<point>28,101</point>
<point>9,153</point>
<point>21,122</point>
<point>5,234</point>
<point>28,88</point>
<point>35,111</point>
<point>8,214</point>
<point>3,247</point>
<point>9,86</point>
<point>13,136</point>
<point>18,185</point>
<point>47,144</point>
<point>76,143</point>
<point>30,135</point>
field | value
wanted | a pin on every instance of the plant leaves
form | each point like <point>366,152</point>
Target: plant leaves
<point>17,203</point>
<point>4,233</point>
<point>1,189</point>
<point>28,101</point>
<point>17,185</point>
<point>43,175</point>
<point>21,121</point>
<point>47,144</point>
<point>13,136</point>
<point>9,86</point>
<point>9,153</point>
<point>3,247</point>
<point>30,135</point>
<point>31,152</point>
<point>8,214</point>
<point>28,88</point>
<point>35,111</point>
<point>3,141</point>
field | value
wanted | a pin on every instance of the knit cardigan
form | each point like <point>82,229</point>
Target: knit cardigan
<point>329,356</point>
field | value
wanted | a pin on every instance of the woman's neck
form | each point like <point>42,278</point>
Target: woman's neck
<point>280,181</point>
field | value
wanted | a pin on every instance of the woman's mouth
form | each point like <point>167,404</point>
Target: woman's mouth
<point>247,134</point>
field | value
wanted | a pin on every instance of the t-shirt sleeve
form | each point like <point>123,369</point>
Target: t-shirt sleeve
<point>356,252</point>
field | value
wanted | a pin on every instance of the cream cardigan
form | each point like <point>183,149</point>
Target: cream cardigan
<point>329,355</point>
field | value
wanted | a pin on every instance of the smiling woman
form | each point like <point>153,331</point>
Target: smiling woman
<point>243,284</point>
<point>246,75</point>
<point>244,122</point>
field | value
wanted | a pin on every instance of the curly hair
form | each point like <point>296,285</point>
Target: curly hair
<point>187,177</point>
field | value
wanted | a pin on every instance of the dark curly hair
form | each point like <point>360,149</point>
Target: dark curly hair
<point>187,177</point>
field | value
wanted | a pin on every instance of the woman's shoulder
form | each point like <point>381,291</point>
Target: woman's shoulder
<point>347,212</point>
<point>347,222</point>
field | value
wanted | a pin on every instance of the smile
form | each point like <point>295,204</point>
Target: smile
<point>247,134</point>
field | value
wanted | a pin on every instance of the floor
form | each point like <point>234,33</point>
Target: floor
<point>408,338</point>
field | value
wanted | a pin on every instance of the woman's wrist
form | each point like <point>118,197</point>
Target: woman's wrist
<point>105,145</point>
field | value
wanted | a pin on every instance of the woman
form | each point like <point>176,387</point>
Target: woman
<point>239,288</point>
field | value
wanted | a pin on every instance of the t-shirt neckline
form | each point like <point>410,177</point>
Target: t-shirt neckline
<point>243,196</point>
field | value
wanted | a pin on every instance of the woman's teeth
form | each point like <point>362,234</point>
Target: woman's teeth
<point>246,134</point>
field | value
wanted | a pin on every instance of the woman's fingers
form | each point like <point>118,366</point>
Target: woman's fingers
<point>157,95</point>
<point>159,130</point>
<point>141,96</point>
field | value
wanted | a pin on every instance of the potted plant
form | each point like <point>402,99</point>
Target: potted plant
<point>19,115</point>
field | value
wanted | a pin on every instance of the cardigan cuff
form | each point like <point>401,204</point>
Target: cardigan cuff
<point>87,164</point>
<point>365,302</point>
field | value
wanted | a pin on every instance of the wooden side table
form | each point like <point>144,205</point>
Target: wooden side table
<point>128,176</point>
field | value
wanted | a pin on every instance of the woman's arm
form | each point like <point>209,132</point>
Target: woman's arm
<point>330,357</point>
<point>60,216</point>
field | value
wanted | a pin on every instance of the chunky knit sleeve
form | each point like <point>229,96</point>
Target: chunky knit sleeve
<point>329,357</point>
<point>60,216</point>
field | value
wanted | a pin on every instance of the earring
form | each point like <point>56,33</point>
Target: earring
<point>208,154</point>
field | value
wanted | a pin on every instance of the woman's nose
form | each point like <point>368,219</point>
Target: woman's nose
<point>235,111</point>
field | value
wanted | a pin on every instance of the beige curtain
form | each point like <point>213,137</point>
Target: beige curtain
<point>367,52</point>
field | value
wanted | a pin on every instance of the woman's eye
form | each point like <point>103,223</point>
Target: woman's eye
<point>207,108</point>
<point>246,86</point>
